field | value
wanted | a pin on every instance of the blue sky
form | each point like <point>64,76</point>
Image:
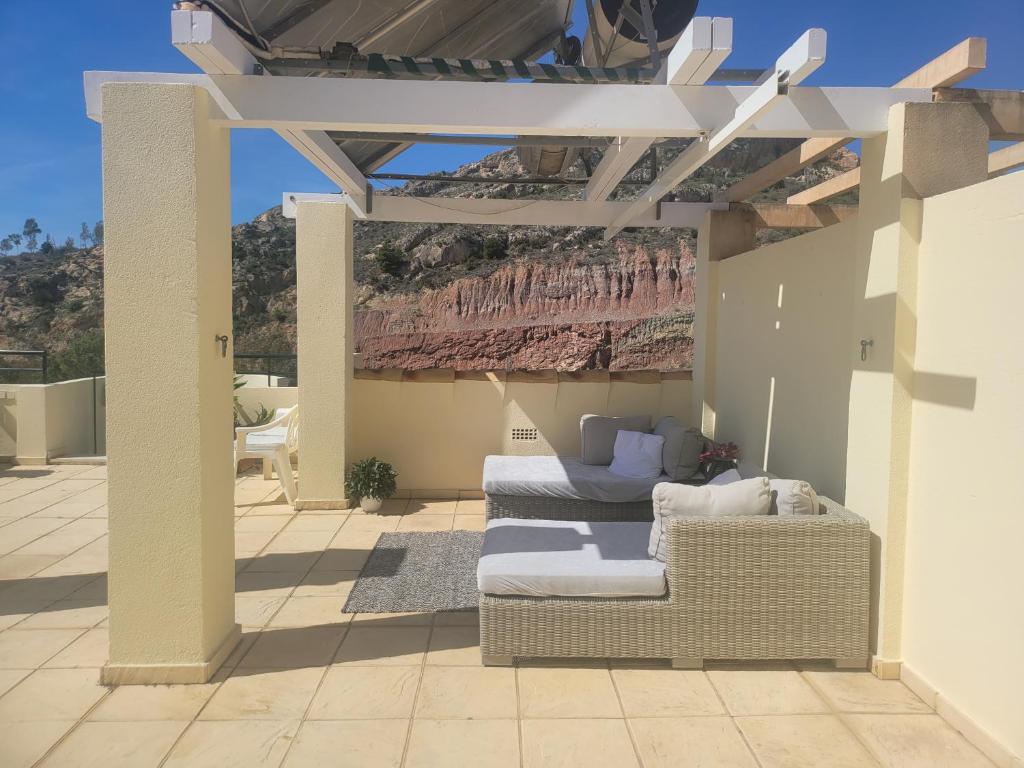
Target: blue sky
<point>50,166</point>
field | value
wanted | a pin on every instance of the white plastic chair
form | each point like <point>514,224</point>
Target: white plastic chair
<point>272,442</point>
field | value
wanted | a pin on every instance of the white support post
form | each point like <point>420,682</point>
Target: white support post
<point>799,61</point>
<point>212,47</point>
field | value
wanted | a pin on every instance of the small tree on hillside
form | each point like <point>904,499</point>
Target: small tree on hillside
<point>97,233</point>
<point>390,258</point>
<point>85,236</point>
<point>48,245</point>
<point>69,244</point>
<point>496,247</point>
<point>15,239</point>
<point>31,230</point>
<point>6,246</point>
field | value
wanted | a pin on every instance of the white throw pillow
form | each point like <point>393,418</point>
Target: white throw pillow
<point>741,498</point>
<point>637,454</point>
<point>793,497</point>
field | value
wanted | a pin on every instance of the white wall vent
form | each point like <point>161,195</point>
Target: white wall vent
<point>524,434</point>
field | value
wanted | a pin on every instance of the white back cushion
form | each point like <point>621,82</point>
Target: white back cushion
<point>637,454</point>
<point>744,497</point>
<point>793,497</point>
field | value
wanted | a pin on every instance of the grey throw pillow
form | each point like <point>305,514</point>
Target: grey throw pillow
<point>597,435</point>
<point>683,446</point>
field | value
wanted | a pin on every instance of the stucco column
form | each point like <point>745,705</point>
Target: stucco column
<point>929,149</point>
<point>323,262</point>
<point>722,234</point>
<point>167,282</point>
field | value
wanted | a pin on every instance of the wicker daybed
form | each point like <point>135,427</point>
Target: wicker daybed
<point>765,587</point>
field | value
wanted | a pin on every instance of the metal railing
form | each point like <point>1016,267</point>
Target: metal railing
<point>40,354</point>
<point>269,369</point>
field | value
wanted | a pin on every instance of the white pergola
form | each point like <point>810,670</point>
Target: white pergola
<point>168,264</point>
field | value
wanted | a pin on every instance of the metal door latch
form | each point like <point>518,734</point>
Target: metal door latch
<point>223,341</point>
<point>864,344</point>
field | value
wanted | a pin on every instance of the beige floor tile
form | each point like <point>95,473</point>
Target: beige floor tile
<point>12,614</point>
<point>380,646</point>
<point>426,523</point>
<point>264,695</point>
<point>283,562</point>
<point>21,532</point>
<point>575,743</point>
<point>348,744</point>
<point>23,566</point>
<point>356,693</point>
<point>347,556</point>
<point>469,522</point>
<point>251,542</point>
<point>766,692</point>
<point>916,741</point>
<point>52,694</point>
<point>90,650</point>
<point>129,703</point>
<point>432,507</point>
<point>322,583</point>
<point>293,648</point>
<point>863,692</point>
<point>262,584</point>
<point>256,611</point>
<point>311,612</point>
<point>479,743</point>
<point>454,647</point>
<point>275,506</point>
<point>804,741</point>
<point>68,614</point>
<point>304,521</point>
<point>369,524</point>
<point>472,693</point>
<point>262,524</point>
<point>31,648</point>
<point>666,693</point>
<point>116,745</point>
<point>457,619</point>
<point>90,560</point>
<point>233,744</point>
<point>300,541</point>
<point>389,507</point>
<point>68,539</point>
<point>22,744</point>
<point>691,742</point>
<point>577,693</point>
<point>471,507</point>
<point>42,587</point>
<point>11,677</point>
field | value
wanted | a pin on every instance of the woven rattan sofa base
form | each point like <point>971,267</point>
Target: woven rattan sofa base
<point>548,508</point>
<point>738,588</point>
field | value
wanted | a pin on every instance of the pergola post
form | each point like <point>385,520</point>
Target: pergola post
<point>167,281</point>
<point>323,248</point>
<point>721,235</point>
<point>929,149</point>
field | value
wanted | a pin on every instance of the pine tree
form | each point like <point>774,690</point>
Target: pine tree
<point>31,230</point>
<point>390,258</point>
<point>85,236</point>
<point>97,233</point>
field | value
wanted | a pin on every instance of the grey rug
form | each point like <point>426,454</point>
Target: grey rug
<point>419,572</point>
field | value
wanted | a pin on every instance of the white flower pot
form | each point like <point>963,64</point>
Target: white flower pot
<point>370,504</point>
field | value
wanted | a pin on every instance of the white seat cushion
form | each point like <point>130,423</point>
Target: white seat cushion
<point>562,478</point>
<point>563,558</point>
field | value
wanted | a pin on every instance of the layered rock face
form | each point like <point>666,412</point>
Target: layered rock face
<point>634,312</point>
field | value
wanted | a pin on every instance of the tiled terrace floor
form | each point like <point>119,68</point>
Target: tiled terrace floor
<point>312,687</point>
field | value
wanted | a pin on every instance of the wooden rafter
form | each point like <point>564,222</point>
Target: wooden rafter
<point>955,65</point>
<point>782,216</point>
<point>837,185</point>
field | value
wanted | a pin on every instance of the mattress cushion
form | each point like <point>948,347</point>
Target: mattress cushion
<point>562,478</point>
<point>565,558</point>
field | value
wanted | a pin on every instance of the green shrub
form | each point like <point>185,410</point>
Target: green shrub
<point>83,356</point>
<point>496,247</point>
<point>371,478</point>
<point>390,259</point>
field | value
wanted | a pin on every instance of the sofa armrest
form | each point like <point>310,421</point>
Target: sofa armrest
<point>732,563</point>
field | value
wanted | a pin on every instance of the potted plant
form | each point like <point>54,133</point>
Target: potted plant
<point>717,458</point>
<point>371,481</point>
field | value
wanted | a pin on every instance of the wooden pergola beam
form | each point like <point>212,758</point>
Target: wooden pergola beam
<point>782,216</point>
<point>1006,159</point>
<point>837,185</point>
<point>957,64</point>
<point>1003,111</point>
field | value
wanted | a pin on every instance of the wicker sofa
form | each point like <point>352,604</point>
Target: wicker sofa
<point>792,587</point>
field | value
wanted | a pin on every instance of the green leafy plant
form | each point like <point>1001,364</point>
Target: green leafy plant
<point>371,478</point>
<point>263,415</point>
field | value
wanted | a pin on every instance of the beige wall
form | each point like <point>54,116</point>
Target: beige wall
<point>437,434</point>
<point>782,375</point>
<point>39,422</point>
<point>963,611</point>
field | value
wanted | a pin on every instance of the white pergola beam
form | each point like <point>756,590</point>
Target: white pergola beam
<point>501,109</point>
<point>216,50</point>
<point>460,210</point>
<point>1006,159</point>
<point>799,61</point>
<point>685,67</point>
